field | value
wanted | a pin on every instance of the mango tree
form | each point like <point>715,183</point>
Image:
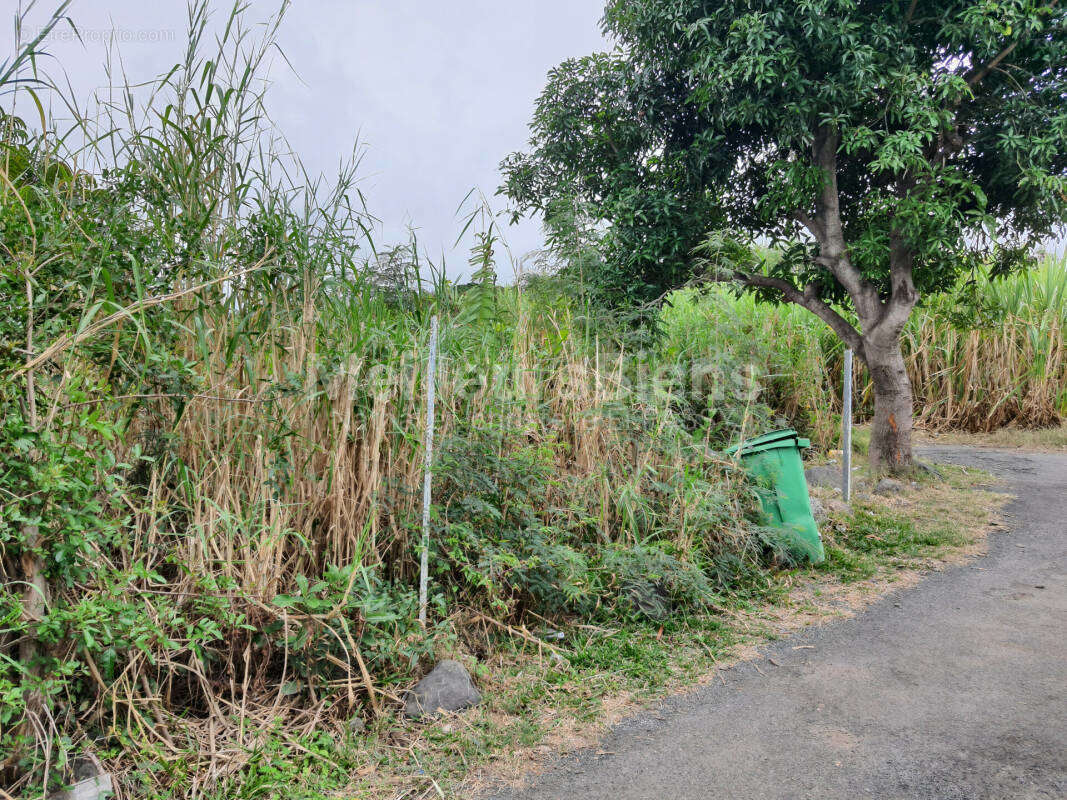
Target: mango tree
<point>883,148</point>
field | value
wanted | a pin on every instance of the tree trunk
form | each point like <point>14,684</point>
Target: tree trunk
<point>890,449</point>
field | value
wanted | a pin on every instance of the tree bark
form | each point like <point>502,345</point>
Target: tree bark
<point>890,448</point>
<point>881,317</point>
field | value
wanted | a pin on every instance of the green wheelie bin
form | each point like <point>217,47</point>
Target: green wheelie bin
<point>773,460</point>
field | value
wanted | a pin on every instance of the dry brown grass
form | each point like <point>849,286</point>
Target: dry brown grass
<point>983,380</point>
<point>1048,440</point>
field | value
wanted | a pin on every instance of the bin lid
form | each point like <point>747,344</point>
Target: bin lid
<point>770,441</point>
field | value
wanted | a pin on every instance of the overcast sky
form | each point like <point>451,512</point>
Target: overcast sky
<point>439,91</point>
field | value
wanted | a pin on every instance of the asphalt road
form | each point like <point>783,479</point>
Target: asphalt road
<point>956,688</point>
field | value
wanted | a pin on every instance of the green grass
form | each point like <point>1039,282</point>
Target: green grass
<point>849,565</point>
<point>881,534</point>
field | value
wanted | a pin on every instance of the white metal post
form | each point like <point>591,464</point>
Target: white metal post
<point>424,566</point>
<point>846,429</point>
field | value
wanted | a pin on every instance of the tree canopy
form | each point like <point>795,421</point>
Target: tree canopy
<point>881,148</point>
<point>945,124</point>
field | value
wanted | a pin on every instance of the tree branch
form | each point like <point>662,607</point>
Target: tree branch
<point>904,295</point>
<point>801,217</point>
<point>829,232</point>
<point>807,298</point>
<point>977,75</point>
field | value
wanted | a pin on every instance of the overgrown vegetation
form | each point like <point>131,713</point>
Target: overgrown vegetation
<point>212,416</point>
<point>559,689</point>
<point>210,451</point>
<point>883,149</point>
<point>988,355</point>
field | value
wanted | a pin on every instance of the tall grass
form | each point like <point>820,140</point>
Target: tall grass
<point>212,404</point>
<point>1010,368</point>
<point>990,354</point>
<point>794,359</point>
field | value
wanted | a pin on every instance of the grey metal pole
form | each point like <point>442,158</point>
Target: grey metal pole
<point>424,566</point>
<point>846,429</point>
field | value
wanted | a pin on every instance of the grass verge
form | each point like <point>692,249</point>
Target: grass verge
<point>1045,440</point>
<point>562,694</point>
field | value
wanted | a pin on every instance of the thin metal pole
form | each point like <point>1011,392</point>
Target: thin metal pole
<point>424,566</point>
<point>846,429</point>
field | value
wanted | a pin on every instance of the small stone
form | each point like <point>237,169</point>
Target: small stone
<point>826,477</point>
<point>447,688</point>
<point>818,511</point>
<point>888,486</point>
<point>97,787</point>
